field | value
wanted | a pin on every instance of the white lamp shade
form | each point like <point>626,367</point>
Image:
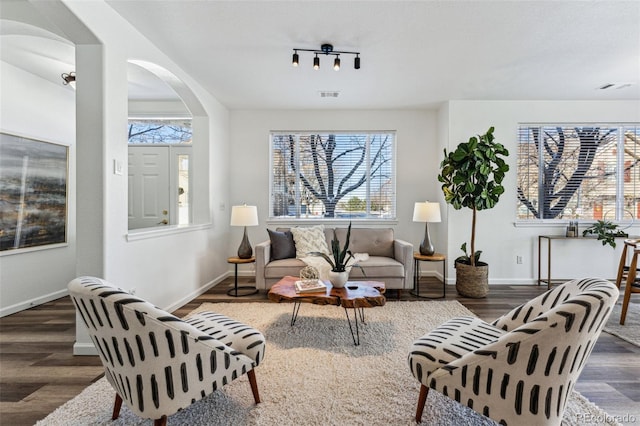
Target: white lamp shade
<point>244,215</point>
<point>426,212</point>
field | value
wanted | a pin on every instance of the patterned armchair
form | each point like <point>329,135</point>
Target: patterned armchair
<point>157,363</point>
<point>521,368</point>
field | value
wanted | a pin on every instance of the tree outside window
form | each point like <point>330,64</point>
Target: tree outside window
<point>588,172</point>
<point>332,175</point>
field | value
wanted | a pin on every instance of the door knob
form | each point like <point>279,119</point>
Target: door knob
<point>163,222</point>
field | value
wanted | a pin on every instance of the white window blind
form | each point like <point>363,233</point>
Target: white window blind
<point>581,171</point>
<point>332,175</point>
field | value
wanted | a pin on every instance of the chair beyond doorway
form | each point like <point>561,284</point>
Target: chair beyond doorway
<point>629,273</point>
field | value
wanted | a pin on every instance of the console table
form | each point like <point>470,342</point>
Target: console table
<point>549,239</point>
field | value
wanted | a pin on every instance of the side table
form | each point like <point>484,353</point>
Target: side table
<point>234,291</point>
<point>435,257</point>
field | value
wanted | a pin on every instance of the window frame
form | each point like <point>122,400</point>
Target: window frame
<point>299,217</point>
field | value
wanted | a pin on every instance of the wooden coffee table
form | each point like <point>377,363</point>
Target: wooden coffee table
<point>355,295</point>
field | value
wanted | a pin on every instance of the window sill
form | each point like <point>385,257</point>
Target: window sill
<point>332,222</point>
<point>146,233</point>
<point>561,223</point>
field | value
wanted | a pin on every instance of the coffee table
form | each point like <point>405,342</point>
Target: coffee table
<point>355,295</point>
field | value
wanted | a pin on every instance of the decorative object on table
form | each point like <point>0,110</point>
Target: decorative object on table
<point>605,231</point>
<point>309,273</point>
<point>244,215</point>
<point>426,212</point>
<point>310,286</point>
<point>309,281</point>
<point>572,229</point>
<point>341,256</point>
<point>533,374</point>
<point>472,177</point>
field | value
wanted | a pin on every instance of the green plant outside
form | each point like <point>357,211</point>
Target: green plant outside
<point>471,177</point>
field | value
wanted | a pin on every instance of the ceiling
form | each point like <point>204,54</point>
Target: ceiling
<point>415,54</point>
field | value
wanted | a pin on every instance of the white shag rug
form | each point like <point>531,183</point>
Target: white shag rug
<point>630,331</point>
<point>313,374</point>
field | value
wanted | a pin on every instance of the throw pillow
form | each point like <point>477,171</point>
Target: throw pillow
<point>309,239</point>
<point>282,245</point>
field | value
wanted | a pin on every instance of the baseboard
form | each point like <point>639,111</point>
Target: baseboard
<point>502,281</point>
<point>33,302</point>
<point>84,349</point>
<point>203,289</point>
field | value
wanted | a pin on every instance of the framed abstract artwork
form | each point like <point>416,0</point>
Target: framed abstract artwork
<point>33,193</point>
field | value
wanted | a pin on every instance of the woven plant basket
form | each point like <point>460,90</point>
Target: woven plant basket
<point>472,281</point>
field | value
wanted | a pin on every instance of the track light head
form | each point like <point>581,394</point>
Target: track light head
<point>316,62</point>
<point>336,63</point>
<point>295,59</point>
<point>69,79</point>
<point>356,62</point>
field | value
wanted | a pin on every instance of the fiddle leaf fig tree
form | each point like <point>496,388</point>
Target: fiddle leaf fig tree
<point>471,177</point>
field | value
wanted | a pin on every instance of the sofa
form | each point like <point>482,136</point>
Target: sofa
<point>389,260</point>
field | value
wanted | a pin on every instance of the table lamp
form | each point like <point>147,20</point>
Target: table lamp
<point>426,212</point>
<point>244,215</point>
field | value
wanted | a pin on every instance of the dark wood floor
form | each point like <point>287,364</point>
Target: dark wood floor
<point>39,373</point>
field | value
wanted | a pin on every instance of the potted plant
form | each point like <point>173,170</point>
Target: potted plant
<point>471,177</point>
<point>338,260</point>
<point>605,231</point>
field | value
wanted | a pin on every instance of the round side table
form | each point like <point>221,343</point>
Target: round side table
<point>234,291</point>
<point>435,257</point>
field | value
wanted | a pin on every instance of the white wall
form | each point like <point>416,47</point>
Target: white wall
<point>497,236</point>
<point>34,277</point>
<point>416,156</point>
<point>170,267</point>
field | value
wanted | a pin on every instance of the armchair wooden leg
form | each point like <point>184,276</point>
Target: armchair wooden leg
<point>162,421</point>
<point>422,399</point>
<point>631,277</point>
<point>116,407</point>
<point>254,385</point>
<point>621,266</point>
<point>625,303</point>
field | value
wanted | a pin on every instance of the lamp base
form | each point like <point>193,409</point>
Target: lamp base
<point>245,251</point>
<point>426,247</point>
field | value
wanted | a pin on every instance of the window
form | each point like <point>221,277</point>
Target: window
<point>589,172</point>
<point>332,175</point>
<point>159,172</point>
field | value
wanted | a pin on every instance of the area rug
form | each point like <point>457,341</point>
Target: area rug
<point>630,331</point>
<point>313,374</point>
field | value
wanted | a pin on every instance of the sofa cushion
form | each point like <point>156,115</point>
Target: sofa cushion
<point>309,239</point>
<point>282,245</point>
<point>282,268</point>
<point>374,241</point>
<point>378,267</point>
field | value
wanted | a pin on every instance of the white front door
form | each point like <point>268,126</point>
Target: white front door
<point>149,200</point>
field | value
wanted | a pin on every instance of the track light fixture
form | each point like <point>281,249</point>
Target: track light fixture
<point>326,49</point>
<point>69,79</point>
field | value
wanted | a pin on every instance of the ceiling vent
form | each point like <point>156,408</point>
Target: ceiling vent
<point>329,94</point>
